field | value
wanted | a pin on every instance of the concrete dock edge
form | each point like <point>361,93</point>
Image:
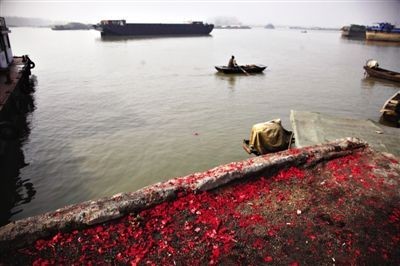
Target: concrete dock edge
<point>26,231</point>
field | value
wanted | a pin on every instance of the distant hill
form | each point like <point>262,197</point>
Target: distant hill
<point>269,26</point>
<point>223,21</point>
<point>73,26</point>
<point>313,28</point>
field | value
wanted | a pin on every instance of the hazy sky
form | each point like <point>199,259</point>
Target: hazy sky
<point>285,12</point>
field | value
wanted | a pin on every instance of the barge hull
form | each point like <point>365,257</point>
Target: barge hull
<point>382,36</point>
<point>354,32</point>
<point>156,29</point>
<point>15,78</point>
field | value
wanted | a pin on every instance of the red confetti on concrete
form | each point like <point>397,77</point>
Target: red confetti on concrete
<point>349,206</point>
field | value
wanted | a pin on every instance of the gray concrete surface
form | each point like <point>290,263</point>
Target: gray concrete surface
<point>314,128</point>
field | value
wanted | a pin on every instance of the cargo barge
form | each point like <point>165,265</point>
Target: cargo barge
<point>14,76</point>
<point>16,103</point>
<point>383,32</point>
<point>121,28</point>
<point>354,31</point>
<point>15,87</point>
<point>15,90</point>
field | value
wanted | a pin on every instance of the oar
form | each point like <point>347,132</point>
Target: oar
<point>244,71</point>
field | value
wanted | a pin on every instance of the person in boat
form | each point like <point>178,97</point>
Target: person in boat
<point>232,62</point>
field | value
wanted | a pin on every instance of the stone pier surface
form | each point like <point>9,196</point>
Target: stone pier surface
<point>312,128</point>
<point>336,203</point>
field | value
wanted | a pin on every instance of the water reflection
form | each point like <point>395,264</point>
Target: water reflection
<point>352,39</point>
<point>14,130</point>
<point>231,79</point>
<point>369,42</point>
<point>371,82</point>
<point>142,38</point>
<point>382,43</point>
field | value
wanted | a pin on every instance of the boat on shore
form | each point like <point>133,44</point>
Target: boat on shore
<point>121,28</point>
<point>383,32</point>
<point>354,31</point>
<point>241,69</point>
<point>372,68</point>
<point>391,111</point>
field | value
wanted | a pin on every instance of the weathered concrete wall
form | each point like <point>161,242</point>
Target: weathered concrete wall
<point>26,231</point>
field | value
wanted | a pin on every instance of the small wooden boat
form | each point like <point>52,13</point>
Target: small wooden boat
<point>391,111</point>
<point>372,68</point>
<point>241,69</point>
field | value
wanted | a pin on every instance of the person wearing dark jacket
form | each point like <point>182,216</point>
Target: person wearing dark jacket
<point>232,62</point>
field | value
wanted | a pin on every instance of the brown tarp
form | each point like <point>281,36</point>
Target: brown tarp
<point>269,137</point>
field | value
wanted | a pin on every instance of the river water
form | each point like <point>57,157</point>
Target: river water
<point>117,115</point>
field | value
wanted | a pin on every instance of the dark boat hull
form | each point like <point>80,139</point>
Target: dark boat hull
<point>239,70</point>
<point>391,111</point>
<point>142,29</point>
<point>382,73</point>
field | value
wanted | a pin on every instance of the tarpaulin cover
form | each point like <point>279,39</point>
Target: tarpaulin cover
<point>269,137</point>
<point>371,63</point>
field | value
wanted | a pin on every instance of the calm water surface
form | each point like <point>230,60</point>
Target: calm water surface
<point>117,115</point>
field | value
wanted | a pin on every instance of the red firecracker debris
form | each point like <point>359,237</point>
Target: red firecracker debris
<point>346,210</point>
